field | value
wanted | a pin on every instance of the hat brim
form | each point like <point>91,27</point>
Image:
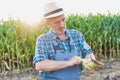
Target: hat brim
<point>55,14</point>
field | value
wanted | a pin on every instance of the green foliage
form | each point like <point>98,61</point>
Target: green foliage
<point>100,31</point>
<point>17,40</point>
<point>17,44</point>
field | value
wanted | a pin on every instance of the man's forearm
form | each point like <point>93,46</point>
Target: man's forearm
<point>90,56</point>
<point>51,65</point>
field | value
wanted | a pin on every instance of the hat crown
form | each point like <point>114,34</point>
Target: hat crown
<point>52,9</point>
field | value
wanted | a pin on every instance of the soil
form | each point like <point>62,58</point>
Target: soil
<point>111,71</point>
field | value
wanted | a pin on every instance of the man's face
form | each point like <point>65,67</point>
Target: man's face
<point>57,24</point>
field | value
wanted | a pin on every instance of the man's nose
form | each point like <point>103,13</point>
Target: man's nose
<point>62,24</point>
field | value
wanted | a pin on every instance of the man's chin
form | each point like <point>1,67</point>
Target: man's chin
<point>59,33</point>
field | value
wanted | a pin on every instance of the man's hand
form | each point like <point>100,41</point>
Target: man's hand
<point>85,64</point>
<point>98,62</point>
<point>75,60</point>
<point>92,64</point>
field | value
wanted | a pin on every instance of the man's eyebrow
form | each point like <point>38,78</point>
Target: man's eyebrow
<point>63,19</point>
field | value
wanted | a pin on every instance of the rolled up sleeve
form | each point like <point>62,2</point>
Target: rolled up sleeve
<point>40,53</point>
<point>87,48</point>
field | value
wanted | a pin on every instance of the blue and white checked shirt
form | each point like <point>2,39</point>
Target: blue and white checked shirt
<point>46,50</point>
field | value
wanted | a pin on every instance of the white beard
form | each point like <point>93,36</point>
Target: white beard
<point>59,33</point>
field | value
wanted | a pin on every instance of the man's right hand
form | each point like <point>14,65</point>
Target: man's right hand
<point>75,60</point>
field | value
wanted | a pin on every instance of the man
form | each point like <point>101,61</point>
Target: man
<point>59,52</point>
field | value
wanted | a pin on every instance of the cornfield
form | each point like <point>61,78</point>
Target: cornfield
<point>17,44</point>
<point>102,32</point>
<point>17,40</point>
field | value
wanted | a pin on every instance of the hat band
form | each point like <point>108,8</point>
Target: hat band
<point>52,12</point>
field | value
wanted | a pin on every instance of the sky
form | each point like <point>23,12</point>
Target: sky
<point>31,10</point>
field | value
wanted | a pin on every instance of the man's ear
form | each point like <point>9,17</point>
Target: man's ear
<point>47,22</point>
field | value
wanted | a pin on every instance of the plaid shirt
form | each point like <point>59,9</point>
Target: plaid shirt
<point>46,50</point>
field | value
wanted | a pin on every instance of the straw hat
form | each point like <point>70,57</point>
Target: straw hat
<point>52,9</point>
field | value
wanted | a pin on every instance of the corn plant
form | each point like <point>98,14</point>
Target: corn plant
<point>101,32</point>
<point>17,40</point>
